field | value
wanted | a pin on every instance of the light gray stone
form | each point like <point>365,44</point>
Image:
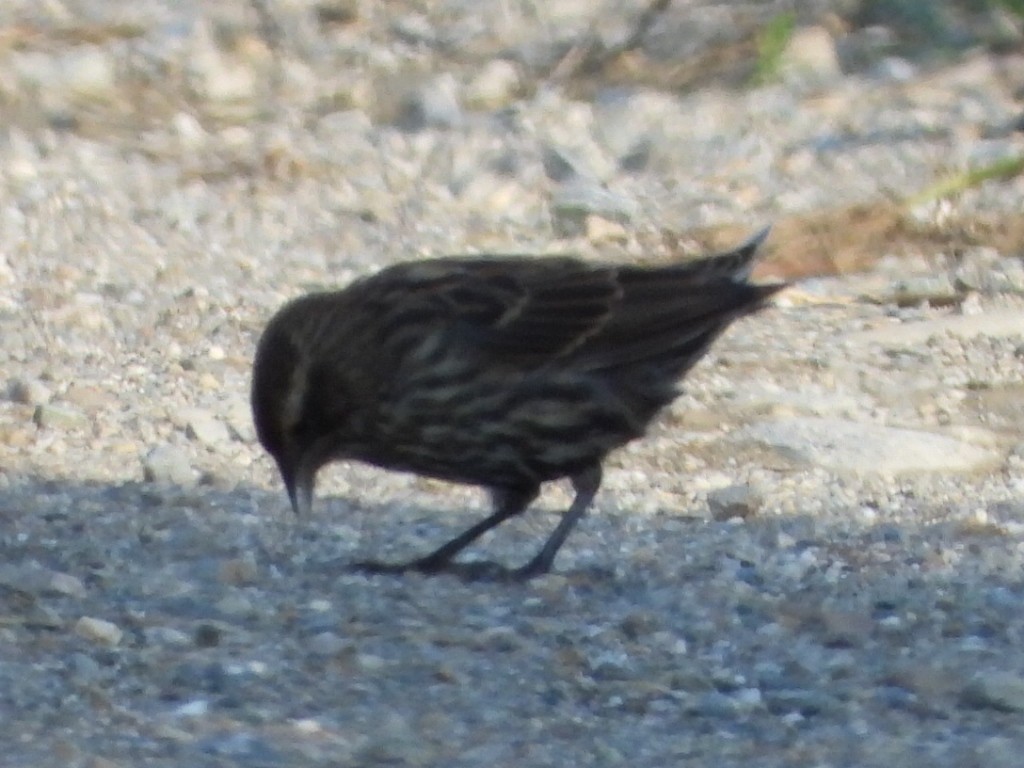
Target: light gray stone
<point>997,322</point>
<point>28,391</point>
<point>733,501</point>
<point>860,448</point>
<point>204,427</point>
<point>1003,691</point>
<point>99,631</point>
<point>573,202</point>
<point>810,55</point>
<point>168,464</point>
<point>494,86</point>
<point>61,417</point>
<point>434,104</point>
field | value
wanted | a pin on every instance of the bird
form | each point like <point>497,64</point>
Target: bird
<point>499,371</point>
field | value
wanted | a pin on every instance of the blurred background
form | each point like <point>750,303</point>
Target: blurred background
<point>860,127</point>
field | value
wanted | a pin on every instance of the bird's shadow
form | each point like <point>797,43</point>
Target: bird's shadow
<point>476,570</point>
<point>88,528</point>
<point>167,524</point>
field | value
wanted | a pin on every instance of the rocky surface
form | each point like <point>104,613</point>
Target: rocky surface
<point>814,559</point>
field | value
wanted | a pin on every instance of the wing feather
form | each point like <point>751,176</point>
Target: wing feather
<point>529,312</point>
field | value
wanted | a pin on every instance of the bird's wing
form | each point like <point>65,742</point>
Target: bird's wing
<point>521,309</point>
<point>668,317</point>
<point>529,311</point>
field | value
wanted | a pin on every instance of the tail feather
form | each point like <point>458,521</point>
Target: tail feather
<point>567,312</point>
<point>736,263</point>
<point>670,315</point>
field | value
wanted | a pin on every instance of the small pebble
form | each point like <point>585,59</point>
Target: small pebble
<point>99,631</point>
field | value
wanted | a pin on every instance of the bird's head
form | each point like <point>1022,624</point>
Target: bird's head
<point>301,405</point>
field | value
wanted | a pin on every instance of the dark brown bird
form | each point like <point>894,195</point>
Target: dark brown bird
<point>503,372</point>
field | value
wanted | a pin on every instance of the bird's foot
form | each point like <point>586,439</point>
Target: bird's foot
<point>376,566</point>
<point>470,571</point>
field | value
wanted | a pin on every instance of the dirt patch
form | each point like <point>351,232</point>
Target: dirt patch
<point>852,238</point>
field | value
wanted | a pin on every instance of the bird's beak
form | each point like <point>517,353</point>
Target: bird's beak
<point>299,479</point>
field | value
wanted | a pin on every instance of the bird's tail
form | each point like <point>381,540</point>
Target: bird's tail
<point>736,263</point>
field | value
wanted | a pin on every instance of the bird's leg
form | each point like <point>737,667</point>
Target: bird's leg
<point>507,503</point>
<point>585,484</point>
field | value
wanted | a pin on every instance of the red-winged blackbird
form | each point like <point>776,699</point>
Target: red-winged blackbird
<point>498,371</point>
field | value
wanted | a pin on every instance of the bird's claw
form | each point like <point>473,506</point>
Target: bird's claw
<point>471,571</point>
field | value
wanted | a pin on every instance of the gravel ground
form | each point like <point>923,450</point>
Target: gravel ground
<point>814,559</point>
